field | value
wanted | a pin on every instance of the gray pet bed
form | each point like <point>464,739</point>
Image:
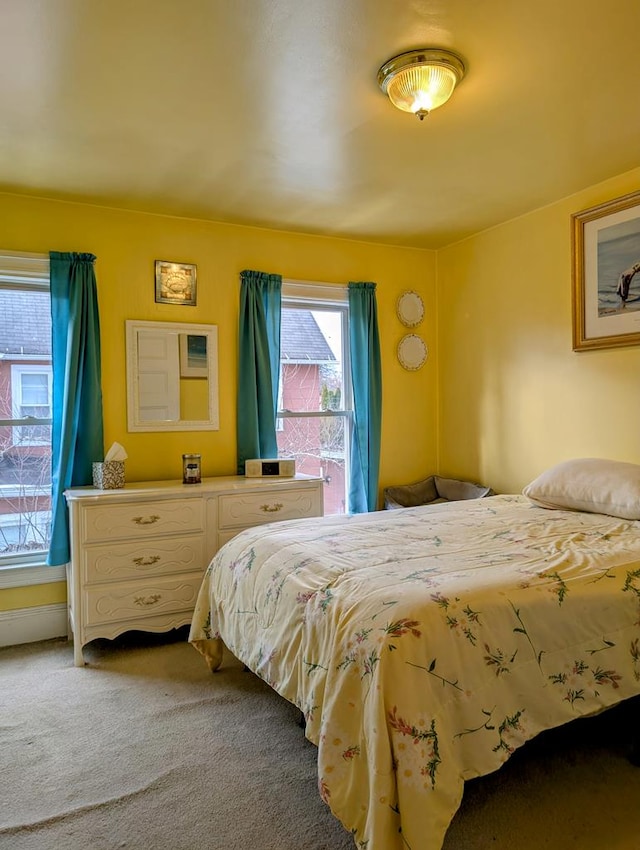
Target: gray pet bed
<point>431,491</point>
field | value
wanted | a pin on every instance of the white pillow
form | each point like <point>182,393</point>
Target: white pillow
<point>589,484</point>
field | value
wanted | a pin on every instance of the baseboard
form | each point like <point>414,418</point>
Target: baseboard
<point>26,625</point>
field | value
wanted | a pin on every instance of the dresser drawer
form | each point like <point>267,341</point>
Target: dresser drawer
<point>240,510</point>
<point>144,519</point>
<point>136,599</point>
<point>137,559</point>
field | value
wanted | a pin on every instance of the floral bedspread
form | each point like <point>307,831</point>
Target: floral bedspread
<point>425,645</point>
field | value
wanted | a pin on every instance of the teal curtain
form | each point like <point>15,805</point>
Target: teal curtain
<point>366,375</point>
<point>76,432</point>
<point>258,365</point>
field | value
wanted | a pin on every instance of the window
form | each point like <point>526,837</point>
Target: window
<point>25,408</point>
<point>315,402</point>
<point>31,398</point>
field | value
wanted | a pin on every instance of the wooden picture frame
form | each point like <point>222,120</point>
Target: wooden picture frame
<point>606,274</point>
<point>175,283</point>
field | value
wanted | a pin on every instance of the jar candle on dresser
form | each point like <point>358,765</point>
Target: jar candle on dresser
<point>191,473</point>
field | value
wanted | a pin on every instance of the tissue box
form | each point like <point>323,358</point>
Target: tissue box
<point>108,475</point>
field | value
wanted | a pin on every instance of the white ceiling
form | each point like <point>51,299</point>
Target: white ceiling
<point>267,112</point>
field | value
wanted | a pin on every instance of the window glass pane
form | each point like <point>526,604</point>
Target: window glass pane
<point>312,381</point>
<point>29,396</point>
<point>32,435</point>
<point>311,360</point>
<point>25,449</point>
<point>35,388</point>
<point>25,490</point>
<point>319,447</point>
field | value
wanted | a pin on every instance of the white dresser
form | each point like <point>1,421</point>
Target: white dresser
<point>138,554</point>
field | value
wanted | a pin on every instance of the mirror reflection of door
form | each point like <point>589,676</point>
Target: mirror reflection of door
<point>158,376</point>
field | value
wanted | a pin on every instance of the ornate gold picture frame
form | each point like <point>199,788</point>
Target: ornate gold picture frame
<point>175,283</point>
<point>606,274</point>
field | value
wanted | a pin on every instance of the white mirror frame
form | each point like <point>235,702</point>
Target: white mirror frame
<point>134,420</point>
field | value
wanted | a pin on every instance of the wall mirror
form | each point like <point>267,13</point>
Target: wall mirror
<point>172,376</point>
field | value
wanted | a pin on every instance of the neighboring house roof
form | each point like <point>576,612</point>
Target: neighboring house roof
<point>25,322</point>
<point>301,340</point>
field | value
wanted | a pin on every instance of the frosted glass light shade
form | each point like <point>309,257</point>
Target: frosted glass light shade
<point>420,80</point>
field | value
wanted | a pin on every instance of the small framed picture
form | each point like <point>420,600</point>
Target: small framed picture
<point>175,283</point>
<point>606,274</point>
<point>193,356</point>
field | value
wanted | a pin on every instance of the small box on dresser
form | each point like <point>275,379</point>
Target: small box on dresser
<point>138,554</point>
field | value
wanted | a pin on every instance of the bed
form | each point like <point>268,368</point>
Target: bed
<point>425,645</point>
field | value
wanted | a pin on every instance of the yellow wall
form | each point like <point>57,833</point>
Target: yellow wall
<point>504,398</point>
<point>126,245</point>
<point>514,398</point>
<point>13,598</point>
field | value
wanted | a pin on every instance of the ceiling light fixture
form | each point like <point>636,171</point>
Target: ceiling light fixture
<point>421,80</point>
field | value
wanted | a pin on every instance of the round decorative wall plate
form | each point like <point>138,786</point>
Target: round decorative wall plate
<point>412,352</point>
<point>410,309</point>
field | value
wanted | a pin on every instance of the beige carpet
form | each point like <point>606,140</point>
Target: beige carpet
<point>145,750</point>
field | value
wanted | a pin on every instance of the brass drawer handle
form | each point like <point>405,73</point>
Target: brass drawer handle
<point>146,562</point>
<point>272,509</point>
<point>150,600</point>
<point>146,520</point>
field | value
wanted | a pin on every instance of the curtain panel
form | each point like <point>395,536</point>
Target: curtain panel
<point>258,365</point>
<point>77,428</point>
<point>366,374</point>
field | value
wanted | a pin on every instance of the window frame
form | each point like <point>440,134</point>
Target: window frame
<point>319,297</point>
<point>27,272</point>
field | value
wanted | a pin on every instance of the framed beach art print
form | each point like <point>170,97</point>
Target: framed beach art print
<point>175,283</point>
<point>193,356</point>
<point>606,274</point>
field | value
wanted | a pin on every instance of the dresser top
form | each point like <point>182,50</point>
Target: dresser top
<point>162,489</point>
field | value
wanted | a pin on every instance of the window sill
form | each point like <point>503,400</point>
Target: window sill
<point>25,575</point>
